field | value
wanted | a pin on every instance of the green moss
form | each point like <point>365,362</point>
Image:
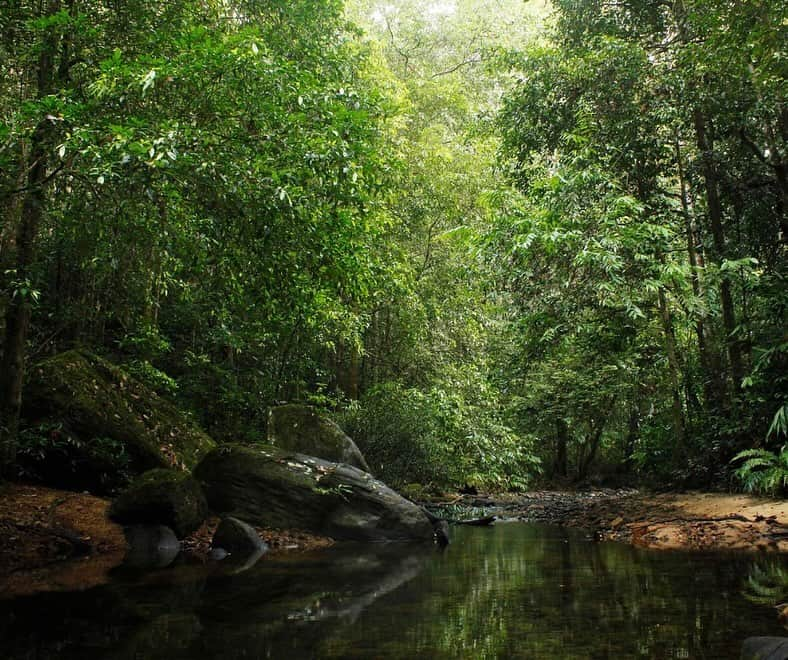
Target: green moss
<point>269,486</point>
<point>99,400</point>
<point>164,497</point>
<point>302,429</point>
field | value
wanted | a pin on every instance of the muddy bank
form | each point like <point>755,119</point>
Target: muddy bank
<point>52,540</point>
<point>696,521</point>
<point>55,539</point>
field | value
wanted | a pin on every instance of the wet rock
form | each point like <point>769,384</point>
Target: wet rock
<point>150,546</point>
<point>269,487</point>
<point>302,429</point>
<point>765,648</point>
<point>238,538</point>
<point>441,532</point>
<point>217,554</point>
<point>164,497</point>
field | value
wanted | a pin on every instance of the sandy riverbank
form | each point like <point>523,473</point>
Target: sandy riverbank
<point>692,521</point>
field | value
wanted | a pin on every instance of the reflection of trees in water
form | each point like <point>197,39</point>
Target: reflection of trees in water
<point>511,591</point>
<point>516,592</point>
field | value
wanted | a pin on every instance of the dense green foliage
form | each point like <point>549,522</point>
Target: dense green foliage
<point>646,249</point>
<point>360,207</point>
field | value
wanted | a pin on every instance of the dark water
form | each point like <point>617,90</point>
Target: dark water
<point>511,591</point>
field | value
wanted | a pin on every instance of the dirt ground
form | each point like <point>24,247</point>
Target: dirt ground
<point>54,539</point>
<point>697,521</point>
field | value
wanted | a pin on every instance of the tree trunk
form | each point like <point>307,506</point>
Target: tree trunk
<point>590,448</point>
<point>675,369</point>
<point>560,461</point>
<point>711,184</point>
<point>633,431</point>
<point>17,316</point>
<point>591,444</point>
<point>713,377</point>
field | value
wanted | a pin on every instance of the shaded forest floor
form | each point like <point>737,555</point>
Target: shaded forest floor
<point>693,521</point>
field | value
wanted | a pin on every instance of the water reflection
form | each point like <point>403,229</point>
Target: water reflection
<point>513,591</point>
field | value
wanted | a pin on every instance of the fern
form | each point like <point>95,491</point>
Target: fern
<point>779,424</point>
<point>763,471</point>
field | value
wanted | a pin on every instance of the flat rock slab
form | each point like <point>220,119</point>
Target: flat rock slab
<point>267,486</point>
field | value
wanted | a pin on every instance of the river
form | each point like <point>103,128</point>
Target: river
<point>510,591</point>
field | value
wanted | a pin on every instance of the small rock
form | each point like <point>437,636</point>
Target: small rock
<point>442,533</point>
<point>617,522</point>
<point>217,554</point>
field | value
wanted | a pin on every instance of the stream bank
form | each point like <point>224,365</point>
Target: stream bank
<point>57,540</point>
<point>668,521</point>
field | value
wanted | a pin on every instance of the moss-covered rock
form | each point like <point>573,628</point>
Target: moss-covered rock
<point>93,398</point>
<point>302,429</point>
<point>267,486</point>
<point>162,497</point>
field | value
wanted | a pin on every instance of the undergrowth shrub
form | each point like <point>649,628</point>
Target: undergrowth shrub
<point>439,438</point>
<point>51,454</point>
<point>763,472</point>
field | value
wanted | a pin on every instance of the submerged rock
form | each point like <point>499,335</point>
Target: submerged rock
<point>237,538</point>
<point>96,400</point>
<point>164,497</point>
<point>300,428</point>
<point>150,546</point>
<point>267,486</point>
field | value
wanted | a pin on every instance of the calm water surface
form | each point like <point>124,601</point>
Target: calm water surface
<point>510,591</point>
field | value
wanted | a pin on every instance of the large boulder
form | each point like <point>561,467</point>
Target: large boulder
<point>267,486</point>
<point>95,400</point>
<point>302,429</point>
<point>162,497</point>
